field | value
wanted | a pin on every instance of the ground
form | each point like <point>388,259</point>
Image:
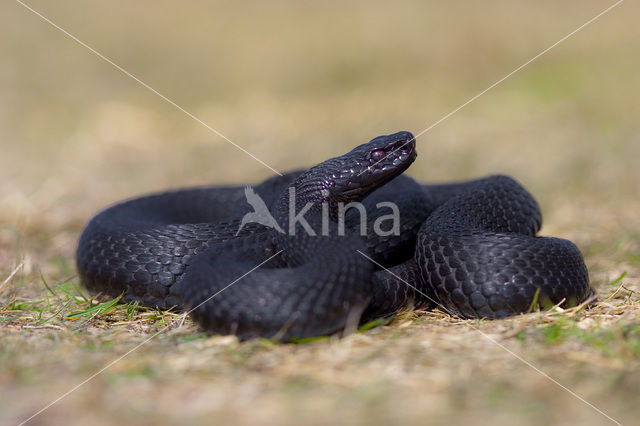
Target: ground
<point>295,83</point>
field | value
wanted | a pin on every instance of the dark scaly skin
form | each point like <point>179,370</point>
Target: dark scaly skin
<point>477,255</point>
<point>469,247</point>
<point>141,247</point>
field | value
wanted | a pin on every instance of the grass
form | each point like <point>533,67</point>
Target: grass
<point>295,84</point>
<point>603,339</point>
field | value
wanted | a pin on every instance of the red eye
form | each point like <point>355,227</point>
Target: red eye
<point>377,155</point>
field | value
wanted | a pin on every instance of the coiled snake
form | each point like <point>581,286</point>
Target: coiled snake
<point>469,247</point>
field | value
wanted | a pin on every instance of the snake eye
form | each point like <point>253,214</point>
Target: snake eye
<point>378,154</point>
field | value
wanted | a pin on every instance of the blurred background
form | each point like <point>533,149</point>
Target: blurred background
<point>296,82</point>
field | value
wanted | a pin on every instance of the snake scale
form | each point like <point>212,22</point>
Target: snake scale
<point>469,247</point>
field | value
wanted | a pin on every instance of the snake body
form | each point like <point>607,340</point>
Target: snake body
<point>469,247</point>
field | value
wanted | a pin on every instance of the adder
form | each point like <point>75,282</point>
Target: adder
<point>469,247</point>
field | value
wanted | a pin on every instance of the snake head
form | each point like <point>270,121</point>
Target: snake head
<point>352,176</point>
<point>369,166</point>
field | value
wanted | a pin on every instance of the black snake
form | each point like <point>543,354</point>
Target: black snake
<point>469,247</point>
